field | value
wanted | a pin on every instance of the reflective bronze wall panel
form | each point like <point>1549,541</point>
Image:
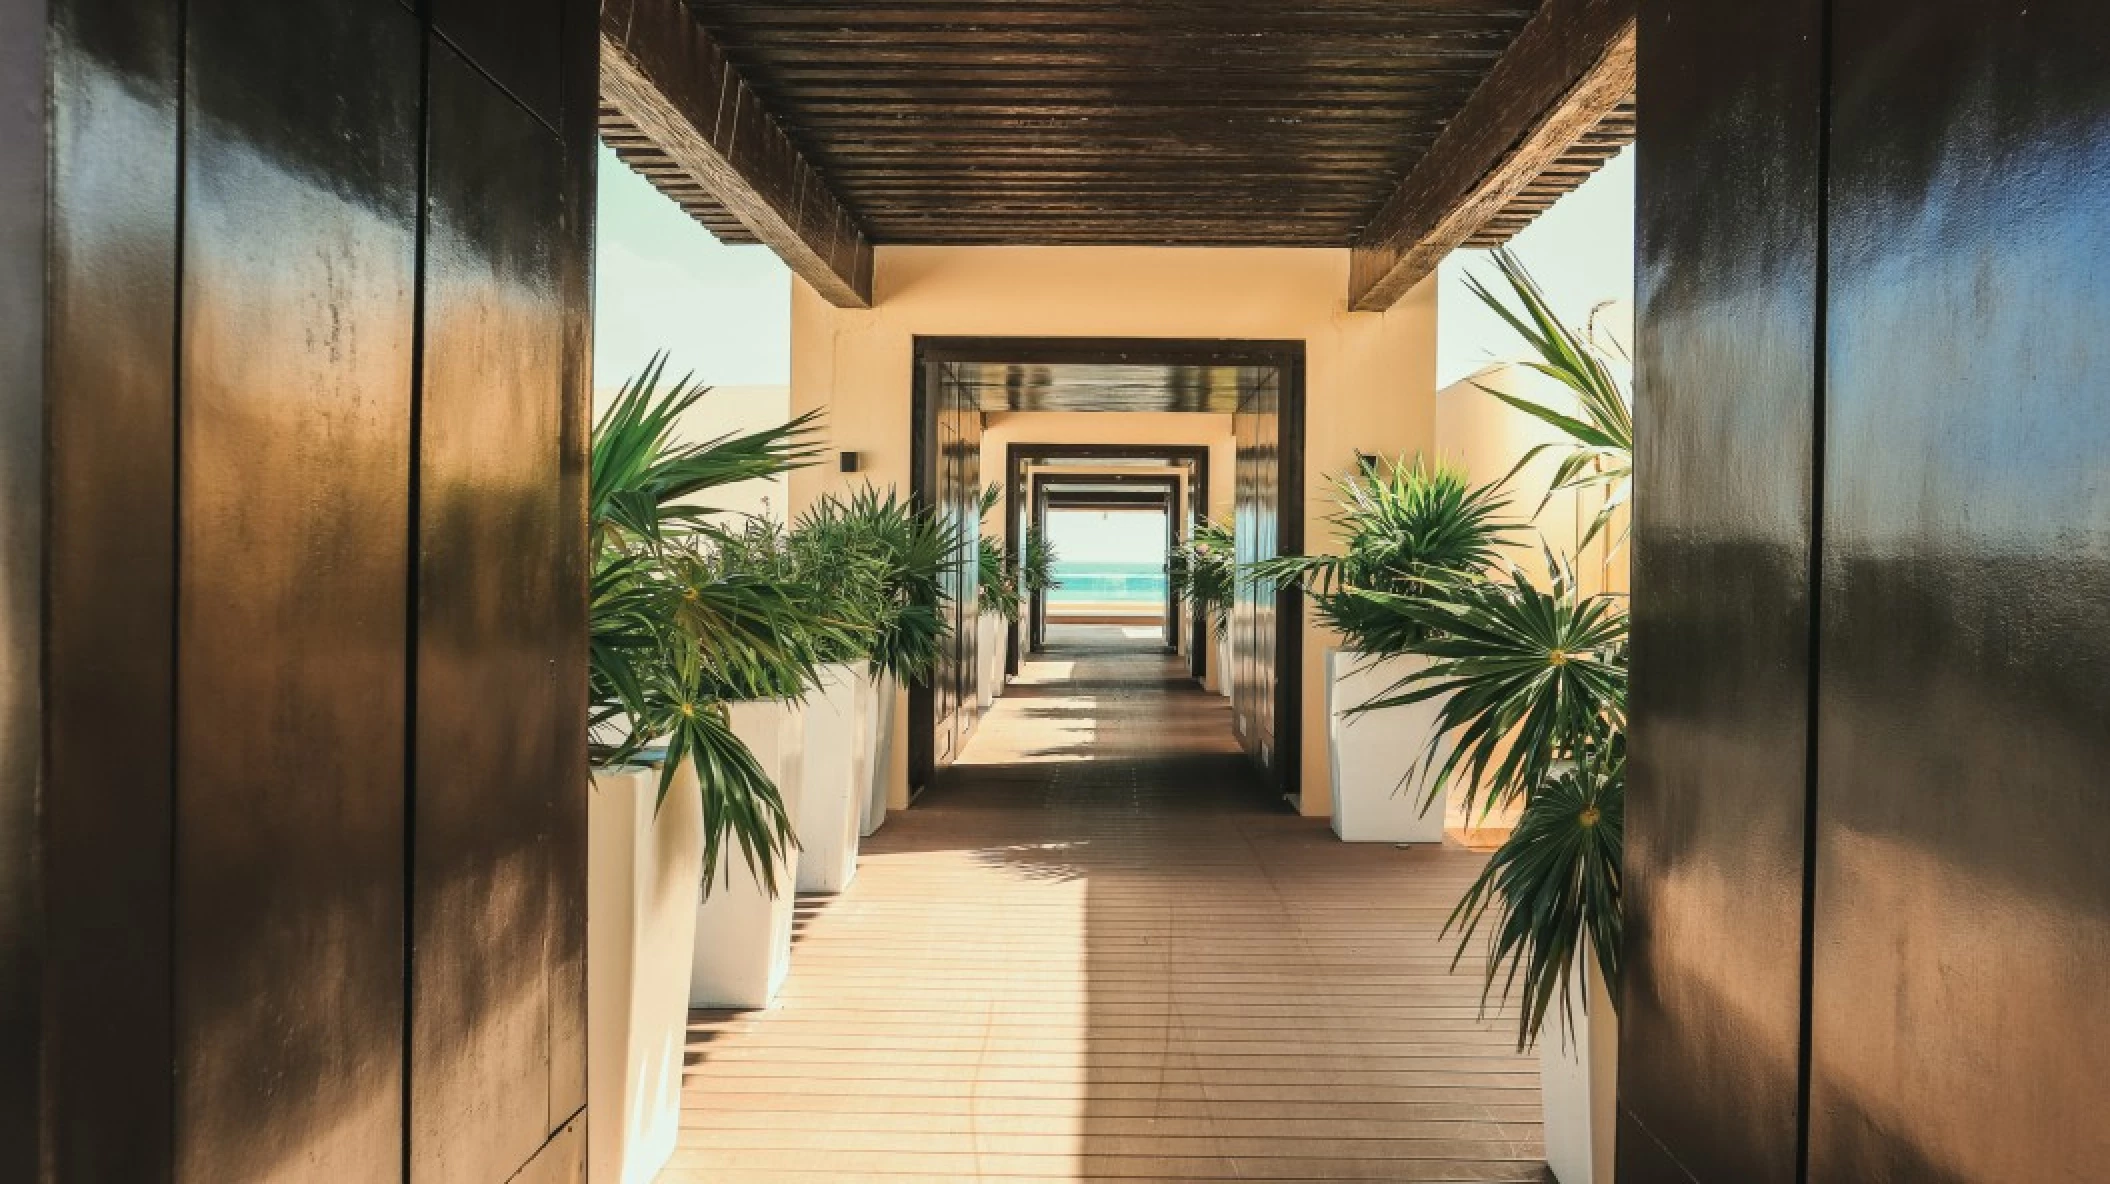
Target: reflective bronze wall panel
<point>1727,401</point>
<point>490,733</point>
<point>300,238</point>
<point>518,43</point>
<point>567,648</point>
<point>1963,901</point>
<point>23,152</point>
<point>108,804</point>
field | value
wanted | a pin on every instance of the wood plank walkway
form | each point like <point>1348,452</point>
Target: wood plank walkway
<point>1097,952</point>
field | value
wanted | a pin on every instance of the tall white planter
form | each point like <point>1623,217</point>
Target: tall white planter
<point>885,693</point>
<point>642,869</point>
<point>1223,663</point>
<point>1000,655</point>
<point>989,659</point>
<point>1579,1082</point>
<point>743,930</point>
<point>838,776</point>
<point>1374,799</point>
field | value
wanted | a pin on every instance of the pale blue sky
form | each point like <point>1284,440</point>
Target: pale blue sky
<point>1581,252</point>
<point>662,282</point>
<point>725,312</point>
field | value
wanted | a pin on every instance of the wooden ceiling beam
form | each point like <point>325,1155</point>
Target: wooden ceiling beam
<point>671,80</point>
<point>1569,68</point>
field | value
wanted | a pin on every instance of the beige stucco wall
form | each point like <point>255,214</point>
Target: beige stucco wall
<point>1486,436</point>
<point>1369,377</point>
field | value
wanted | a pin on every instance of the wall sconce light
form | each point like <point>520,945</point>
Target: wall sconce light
<point>850,461</point>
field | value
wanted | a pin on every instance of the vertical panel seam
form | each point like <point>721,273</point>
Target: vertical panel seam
<point>175,526</point>
<point>414,555</point>
<point>1820,328</point>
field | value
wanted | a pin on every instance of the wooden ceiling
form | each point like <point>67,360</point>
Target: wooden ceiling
<point>1401,128</point>
<point>1113,121</point>
<point>1582,159</point>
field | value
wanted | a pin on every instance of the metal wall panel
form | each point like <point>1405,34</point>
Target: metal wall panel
<point>300,251</point>
<point>1963,906</point>
<point>23,205</point>
<point>567,647</point>
<point>490,713</point>
<point>109,646</point>
<point>1266,627</point>
<point>1727,413</point>
<point>208,543</point>
<point>520,44</point>
<point>958,461</point>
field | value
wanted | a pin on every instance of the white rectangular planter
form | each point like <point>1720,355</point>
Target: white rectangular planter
<point>641,874</point>
<point>743,930</point>
<point>1579,1081</point>
<point>1000,655</point>
<point>885,693</point>
<point>1374,800</point>
<point>1223,664</point>
<point>989,659</point>
<point>838,776</point>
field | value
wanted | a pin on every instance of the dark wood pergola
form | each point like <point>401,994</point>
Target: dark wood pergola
<point>1400,129</point>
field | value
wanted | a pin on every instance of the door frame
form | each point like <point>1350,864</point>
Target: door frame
<point>1286,357</point>
<point>1156,490</point>
<point>1017,493</point>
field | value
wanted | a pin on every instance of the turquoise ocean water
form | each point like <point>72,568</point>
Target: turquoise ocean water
<point>1108,583</point>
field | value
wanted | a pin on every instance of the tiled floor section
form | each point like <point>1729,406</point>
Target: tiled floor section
<point>1097,952</point>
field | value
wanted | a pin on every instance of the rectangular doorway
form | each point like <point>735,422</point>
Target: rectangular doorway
<point>1260,384</point>
<point>1112,541</point>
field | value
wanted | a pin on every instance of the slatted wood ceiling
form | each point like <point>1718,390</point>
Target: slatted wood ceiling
<point>1176,122</point>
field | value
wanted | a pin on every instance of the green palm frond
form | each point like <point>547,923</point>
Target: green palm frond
<point>910,553</point>
<point>996,575</point>
<point>1204,572</point>
<point>996,579</point>
<point>1036,569</point>
<point>677,625</point>
<point>740,802</point>
<point>1555,889</point>
<point>1401,525</point>
<point>642,480</point>
<point>1524,677</point>
<point>1600,447</point>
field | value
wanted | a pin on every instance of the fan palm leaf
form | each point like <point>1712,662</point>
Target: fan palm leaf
<point>1600,439</point>
<point>1523,676</point>
<point>1401,526</point>
<point>1555,892</point>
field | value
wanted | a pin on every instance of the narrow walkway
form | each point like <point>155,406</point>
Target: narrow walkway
<point>1096,951</point>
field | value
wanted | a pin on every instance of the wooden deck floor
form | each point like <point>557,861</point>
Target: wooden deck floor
<point>1098,952</point>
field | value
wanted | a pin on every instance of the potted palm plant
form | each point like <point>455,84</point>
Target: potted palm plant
<point>911,550</point>
<point>997,595</point>
<point>843,569</point>
<point>674,790</point>
<point>1203,573</point>
<point>1036,570</point>
<point>1403,526</point>
<point>1534,686</point>
<point>1530,687</point>
<point>743,921</point>
<point>1580,1071</point>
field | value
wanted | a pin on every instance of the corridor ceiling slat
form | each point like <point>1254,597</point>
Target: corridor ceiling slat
<point>1131,121</point>
<point>1121,122</point>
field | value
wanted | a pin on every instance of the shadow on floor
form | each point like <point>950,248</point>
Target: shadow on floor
<point>1126,965</point>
